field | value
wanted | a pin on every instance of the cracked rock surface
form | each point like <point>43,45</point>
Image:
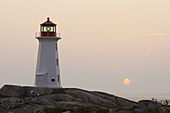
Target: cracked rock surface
<point>18,99</point>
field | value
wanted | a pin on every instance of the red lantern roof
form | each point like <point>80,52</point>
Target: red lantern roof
<point>48,23</point>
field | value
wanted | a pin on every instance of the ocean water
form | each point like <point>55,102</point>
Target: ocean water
<point>138,97</point>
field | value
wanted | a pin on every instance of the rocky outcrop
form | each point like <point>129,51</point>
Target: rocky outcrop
<point>11,91</point>
<point>10,103</point>
<point>18,99</point>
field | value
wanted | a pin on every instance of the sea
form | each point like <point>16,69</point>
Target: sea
<point>138,97</point>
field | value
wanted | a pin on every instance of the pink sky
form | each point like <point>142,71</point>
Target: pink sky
<point>103,43</point>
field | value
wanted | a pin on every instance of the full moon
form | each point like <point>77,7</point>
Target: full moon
<point>126,81</point>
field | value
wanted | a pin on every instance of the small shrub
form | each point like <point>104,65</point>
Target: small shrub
<point>163,102</point>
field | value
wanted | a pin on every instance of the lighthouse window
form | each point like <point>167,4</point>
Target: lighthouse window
<point>49,29</point>
<point>54,29</point>
<point>58,78</point>
<point>42,28</point>
<point>52,80</point>
<point>57,62</point>
<point>56,46</point>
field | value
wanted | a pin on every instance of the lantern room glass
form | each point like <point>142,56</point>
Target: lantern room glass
<point>48,29</point>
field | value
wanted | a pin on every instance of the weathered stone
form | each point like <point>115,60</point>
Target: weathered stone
<point>38,110</point>
<point>40,91</point>
<point>71,105</point>
<point>125,103</point>
<point>18,99</point>
<point>113,110</point>
<point>163,110</point>
<point>11,91</point>
<point>148,106</point>
<point>67,112</point>
<point>42,101</point>
<point>19,91</point>
<point>168,108</point>
<point>10,103</point>
<point>2,110</point>
<point>24,109</point>
<point>138,111</point>
<point>91,98</point>
<point>125,112</point>
<point>117,100</point>
<point>59,97</point>
<point>94,112</point>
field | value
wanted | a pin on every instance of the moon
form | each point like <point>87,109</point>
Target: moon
<point>126,81</point>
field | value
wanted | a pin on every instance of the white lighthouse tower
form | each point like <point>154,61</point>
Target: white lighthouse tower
<point>47,71</point>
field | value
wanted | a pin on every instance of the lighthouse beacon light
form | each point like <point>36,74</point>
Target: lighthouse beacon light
<point>47,70</point>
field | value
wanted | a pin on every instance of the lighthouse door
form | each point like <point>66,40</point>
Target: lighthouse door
<point>41,80</point>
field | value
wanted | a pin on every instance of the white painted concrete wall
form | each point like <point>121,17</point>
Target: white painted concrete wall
<point>47,71</point>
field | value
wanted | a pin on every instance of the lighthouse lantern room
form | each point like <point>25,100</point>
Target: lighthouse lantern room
<point>47,70</point>
<point>48,29</point>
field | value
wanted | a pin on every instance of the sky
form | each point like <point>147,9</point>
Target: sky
<point>103,43</point>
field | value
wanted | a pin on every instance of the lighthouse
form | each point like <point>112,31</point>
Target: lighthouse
<point>47,70</point>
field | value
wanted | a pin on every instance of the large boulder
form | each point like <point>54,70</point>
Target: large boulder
<point>2,110</point>
<point>90,98</point>
<point>12,91</point>
<point>18,99</point>
<point>23,109</point>
<point>119,102</point>
<point>59,97</point>
<point>125,112</point>
<point>164,110</point>
<point>11,103</point>
<point>19,91</point>
<point>139,111</point>
<point>42,101</point>
<point>41,91</point>
<point>148,106</point>
<point>39,109</point>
